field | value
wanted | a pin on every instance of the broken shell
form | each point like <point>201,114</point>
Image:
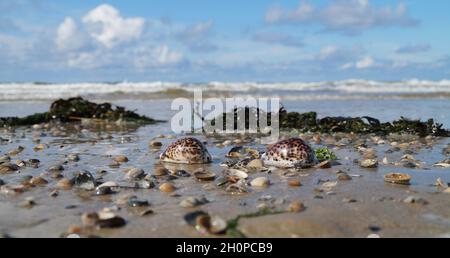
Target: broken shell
<point>222,180</point>
<point>237,188</point>
<point>324,165</point>
<point>342,176</point>
<point>397,178</point>
<point>204,175</point>
<point>369,163</point>
<point>8,168</point>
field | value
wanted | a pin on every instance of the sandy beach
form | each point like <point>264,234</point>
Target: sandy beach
<point>344,200</point>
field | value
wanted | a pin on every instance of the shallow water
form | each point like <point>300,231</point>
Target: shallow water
<point>378,204</point>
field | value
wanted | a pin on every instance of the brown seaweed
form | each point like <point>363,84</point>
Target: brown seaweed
<point>309,122</point>
<point>76,109</point>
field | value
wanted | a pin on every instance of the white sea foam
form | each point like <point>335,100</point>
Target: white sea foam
<point>336,89</point>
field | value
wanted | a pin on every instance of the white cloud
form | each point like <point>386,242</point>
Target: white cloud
<point>363,63</point>
<point>105,31</point>
<point>164,56</point>
<point>68,37</point>
<point>108,27</point>
<point>347,16</point>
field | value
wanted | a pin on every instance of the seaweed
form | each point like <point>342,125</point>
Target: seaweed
<point>323,154</point>
<point>232,224</point>
<point>76,109</point>
<point>309,122</point>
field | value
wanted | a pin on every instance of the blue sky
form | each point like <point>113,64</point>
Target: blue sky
<point>199,40</point>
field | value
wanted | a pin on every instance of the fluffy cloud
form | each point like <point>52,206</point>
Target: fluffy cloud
<point>278,38</point>
<point>68,36</point>
<point>346,16</point>
<point>106,39</point>
<point>364,63</point>
<point>108,27</point>
<point>412,49</point>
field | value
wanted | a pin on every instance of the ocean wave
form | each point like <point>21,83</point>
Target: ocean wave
<point>335,89</point>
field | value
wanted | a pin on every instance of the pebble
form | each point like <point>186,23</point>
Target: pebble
<point>167,188</point>
<point>64,184</point>
<point>155,144</point>
<point>84,180</point>
<point>89,219</point>
<point>324,165</point>
<point>191,202</point>
<point>296,206</point>
<point>294,183</point>
<point>181,173</point>
<point>16,151</point>
<point>103,190</point>
<point>54,193</point>
<point>38,181</point>
<point>8,168</point>
<point>415,200</point>
<point>135,202</point>
<point>348,200</point>
<point>73,157</point>
<point>121,159</point>
<point>260,182</point>
<point>342,176</point>
<point>255,164</point>
<point>57,167</point>
<point>114,164</point>
<point>103,220</point>
<point>160,171</point>
<point>28,203</point>
<point>135,174</point>
<point>34,163</point>
<point>4,159</point>
<point>146,212</point>
<point>2,182</point>
<point>369,163</point>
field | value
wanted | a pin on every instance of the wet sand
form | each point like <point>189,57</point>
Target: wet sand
<point>358,207</point>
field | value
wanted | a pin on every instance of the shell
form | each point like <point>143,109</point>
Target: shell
<point>397,178</point>
<point>186,151</point>
<point>290,153</point>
